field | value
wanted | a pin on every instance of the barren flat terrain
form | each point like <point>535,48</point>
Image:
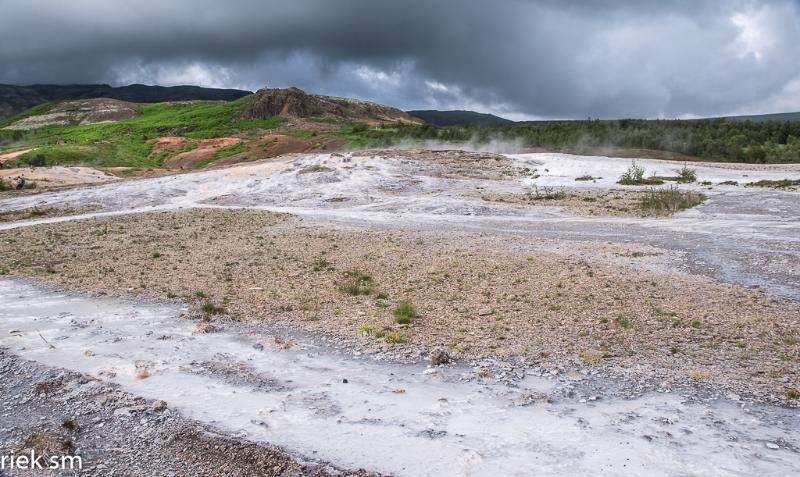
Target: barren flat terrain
<point>385,284</point>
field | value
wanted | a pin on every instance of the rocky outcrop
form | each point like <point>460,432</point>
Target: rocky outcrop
<point>296,103</point>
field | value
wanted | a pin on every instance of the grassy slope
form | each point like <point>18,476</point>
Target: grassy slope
<point>124,143</point>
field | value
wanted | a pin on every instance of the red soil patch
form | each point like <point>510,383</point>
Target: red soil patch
<point>267,146</point>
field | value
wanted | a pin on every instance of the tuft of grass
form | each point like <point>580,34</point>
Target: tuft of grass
<point>404,313</point>
<point>635,176</point>
<point>733,183</point>
<point>687,175</point>
<point>209,308</point>
<point>366,329</point>
<point>394,337</point>
<point>792,393</point>
<point>320,264</point>
<point>587,177</point>
<point>698,375</point>
<point>623,322</point>
<point>670,200</point>
<point>546,193</point>
<point>356,283</point>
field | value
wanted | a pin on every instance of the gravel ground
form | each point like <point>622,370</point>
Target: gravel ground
<point>57,412</point>
<point>476,296</point>
<point>614,202</point>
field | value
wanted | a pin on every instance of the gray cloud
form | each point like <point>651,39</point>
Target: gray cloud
<point>566,59</point>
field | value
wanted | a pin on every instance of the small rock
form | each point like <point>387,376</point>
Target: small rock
<point>159,405</point>
<point>258,346</point>
<point>439,357</point>
<point>206,328</point>
<point>485,312</point>
<point>344,381</point>
<point>772,445</point>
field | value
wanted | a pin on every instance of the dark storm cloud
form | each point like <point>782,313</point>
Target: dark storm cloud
<point>523,58</point>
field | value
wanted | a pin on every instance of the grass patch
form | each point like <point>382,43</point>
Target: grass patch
<point>587,178</point>
<point>546,193</point>
<point>355,283</point>
<point>125,143</point>
<point>394,337</point>
<point>670,200</point>
<point>209,308</point>
<point>778,184</point>
<point>404,313</point>
<point>687,175</point>
<point>298,133</point>
<point>635,176</point>
<point>222,153</point>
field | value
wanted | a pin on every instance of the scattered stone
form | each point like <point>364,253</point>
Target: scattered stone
<point>439,357</point>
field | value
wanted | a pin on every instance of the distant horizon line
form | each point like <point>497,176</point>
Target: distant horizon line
<point>588,118</point>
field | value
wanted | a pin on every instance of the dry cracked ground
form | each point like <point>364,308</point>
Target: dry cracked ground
<point>354,251</point>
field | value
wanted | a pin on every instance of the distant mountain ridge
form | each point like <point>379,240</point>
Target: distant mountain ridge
<point>15,99</point>
<point>460,118</point>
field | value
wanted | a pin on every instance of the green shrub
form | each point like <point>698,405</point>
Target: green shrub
<point>635,176</point>
<point>687,175</point>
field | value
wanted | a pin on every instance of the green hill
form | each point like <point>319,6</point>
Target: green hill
<point>15,99</point>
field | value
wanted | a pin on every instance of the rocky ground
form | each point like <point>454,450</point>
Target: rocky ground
<point>56,412</point>
<point>475,297</point>
<point>604,203</point>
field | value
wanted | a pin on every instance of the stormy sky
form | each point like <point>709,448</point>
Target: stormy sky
<point>516,58</point>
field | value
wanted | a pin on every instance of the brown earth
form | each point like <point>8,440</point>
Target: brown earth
<point>10,156</point>
<point>266,146</point>
<point>604,202</point>
<point>474,295</point>
<point>54,177</point>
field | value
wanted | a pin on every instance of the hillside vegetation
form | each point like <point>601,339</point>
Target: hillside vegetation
<point>274,122</point>
<point>711,140</point>
<point>15,99</point>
